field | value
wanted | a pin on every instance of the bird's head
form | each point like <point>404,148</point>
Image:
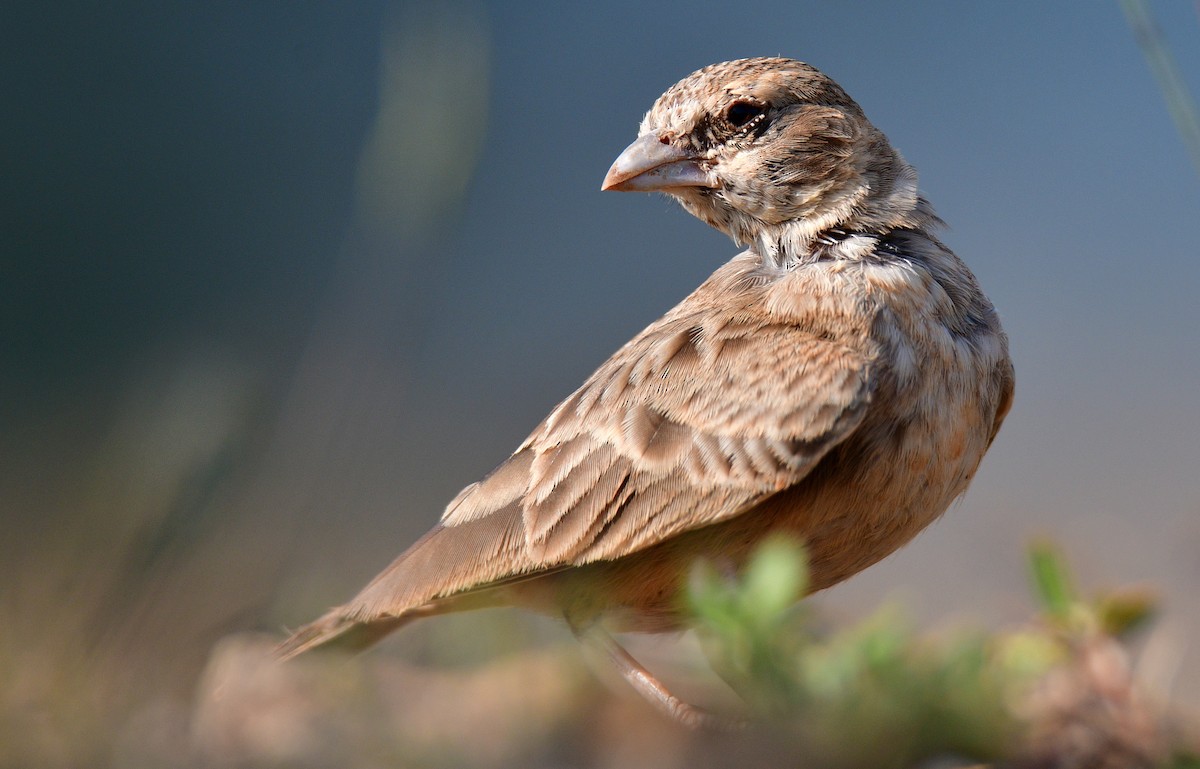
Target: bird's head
<point>771,152</point>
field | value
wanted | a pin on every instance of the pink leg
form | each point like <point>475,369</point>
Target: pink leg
<point>647,685</point>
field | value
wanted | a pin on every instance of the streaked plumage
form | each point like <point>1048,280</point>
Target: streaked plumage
<point>839,380</point>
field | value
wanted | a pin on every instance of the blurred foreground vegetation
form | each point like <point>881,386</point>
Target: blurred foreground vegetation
<point>1061,691</point>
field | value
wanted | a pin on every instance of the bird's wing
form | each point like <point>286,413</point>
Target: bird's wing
<point>692,422</point>
<point>698,418</point>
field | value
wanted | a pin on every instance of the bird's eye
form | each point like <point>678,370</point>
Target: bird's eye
<point>742,113</point>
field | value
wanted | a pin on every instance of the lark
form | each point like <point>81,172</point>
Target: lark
<point>838,382</point>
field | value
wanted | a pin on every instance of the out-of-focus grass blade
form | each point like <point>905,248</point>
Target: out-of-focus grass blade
<point>1179,100</point>
<point>1051,579</point>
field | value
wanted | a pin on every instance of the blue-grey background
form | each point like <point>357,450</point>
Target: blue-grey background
<point>279,278</point>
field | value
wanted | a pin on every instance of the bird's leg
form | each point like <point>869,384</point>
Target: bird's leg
<point>643,681</point>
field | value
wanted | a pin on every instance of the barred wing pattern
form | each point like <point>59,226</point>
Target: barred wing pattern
<point>694,421</point>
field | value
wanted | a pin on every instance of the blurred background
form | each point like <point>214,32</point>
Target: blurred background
<point>280,278</point>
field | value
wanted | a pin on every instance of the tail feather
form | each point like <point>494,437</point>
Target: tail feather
<point>336,630</point>
<point>452,568</point>
<point>447,562</point>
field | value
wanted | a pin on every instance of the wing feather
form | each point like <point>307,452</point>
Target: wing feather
<point>714,419</point>
<point>696,420</point>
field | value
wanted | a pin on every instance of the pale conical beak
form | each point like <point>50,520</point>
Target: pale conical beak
<point>648,165</point>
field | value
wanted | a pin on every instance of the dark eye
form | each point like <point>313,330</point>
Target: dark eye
<point>742,113</point>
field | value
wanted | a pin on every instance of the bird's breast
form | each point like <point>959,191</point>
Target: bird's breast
<point>940,382</point>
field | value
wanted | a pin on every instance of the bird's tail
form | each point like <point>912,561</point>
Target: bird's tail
<point>452,568</point>
<point>338,630</point>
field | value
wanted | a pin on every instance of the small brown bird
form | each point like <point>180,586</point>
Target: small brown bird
<point>838,381</point>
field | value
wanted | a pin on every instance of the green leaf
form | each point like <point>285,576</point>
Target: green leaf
<point>775,580</point>
<point>1052,582</point>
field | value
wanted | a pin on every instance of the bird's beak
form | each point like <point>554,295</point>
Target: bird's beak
<point>648,164</point>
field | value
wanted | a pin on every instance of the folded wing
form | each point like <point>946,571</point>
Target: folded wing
<point>694,421</point>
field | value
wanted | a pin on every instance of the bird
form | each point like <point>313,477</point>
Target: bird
<point>837,381</point>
